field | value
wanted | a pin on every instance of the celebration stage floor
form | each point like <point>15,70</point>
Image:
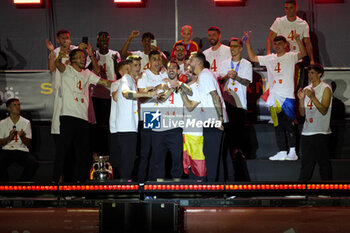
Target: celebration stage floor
<point>181,206</point>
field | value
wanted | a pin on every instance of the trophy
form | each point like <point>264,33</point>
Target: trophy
<point>101,169</point>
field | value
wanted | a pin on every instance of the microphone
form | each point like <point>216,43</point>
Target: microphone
<point>15,133</point>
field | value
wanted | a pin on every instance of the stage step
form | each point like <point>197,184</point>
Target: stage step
<point>43,173</point>
<point>266,170</point>
<point>261,142</point>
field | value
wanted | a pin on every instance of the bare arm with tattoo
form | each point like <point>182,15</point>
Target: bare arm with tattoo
<point>189,104</point>
<point>135,95</point>
<point>217,103</point>
<point>104,82</point>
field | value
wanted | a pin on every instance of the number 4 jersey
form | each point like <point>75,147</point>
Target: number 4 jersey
<point>283,27</point>
<point>280,73</point>
<point>315,122</point>
<point>75,92</point>
<point>215,58</point>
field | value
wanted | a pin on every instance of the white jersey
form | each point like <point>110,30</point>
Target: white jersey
<point>172,112</point>
<point>75,92</point>
<point>57,105</point>
<point>283,27</point>
<point>144,60</point>
<point>206,84</point>
<point>124,112</point>
<point>106,63</point>
<point>244,70</point>
<point>215,58</point>
<point>182,68</point>
<point>6,125</point>
<point>65,60</point>
<point>196,114</point>
<point>315,122</point>
<point>280,73</point>
<point>150,79</point>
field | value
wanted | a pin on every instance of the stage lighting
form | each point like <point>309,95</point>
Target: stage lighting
<point>29,4</point>
<point>27,1</point>
<point>127,1</point>
<point>130,3</point>
<point>230,2</point>
<point>329,1</point>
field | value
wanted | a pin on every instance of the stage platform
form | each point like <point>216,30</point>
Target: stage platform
<point>260,144</point>
<point>175,206</point>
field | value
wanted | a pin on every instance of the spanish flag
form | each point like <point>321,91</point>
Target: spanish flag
<point>193,155</point>
<point>277,104</point>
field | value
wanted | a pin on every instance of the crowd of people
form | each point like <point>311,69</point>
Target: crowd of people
<point>206,91</point>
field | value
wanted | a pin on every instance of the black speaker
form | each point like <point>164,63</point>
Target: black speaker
<point>155,217</point>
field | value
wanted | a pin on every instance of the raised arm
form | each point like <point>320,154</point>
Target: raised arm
<point>124,51</point>
<point>58,62</point>
<point>270,41</point>
<point>252,56</point>
<point>95,67</point>
<point>51,61</point>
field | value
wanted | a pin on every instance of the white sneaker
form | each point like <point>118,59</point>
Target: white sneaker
<point>292,156</point>
<point>279,156</point>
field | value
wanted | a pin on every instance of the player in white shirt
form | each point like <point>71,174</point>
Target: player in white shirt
<point>193,155</point>
<point>287,26</point>
<point>218,52</point>
<point>169,137</point>
<point>147,39</point>
<point>74,126</point>
<point>236,74</point>
<point>152,79</point>
<point>214,109</point>
<point>107,60</point>
<point>64,42</point>
<point>314,104</point>
<point>280,73</point>
<point>124,118</point>
<point>15,137</point>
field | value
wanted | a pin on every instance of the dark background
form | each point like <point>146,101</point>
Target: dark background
<point>23,31</point>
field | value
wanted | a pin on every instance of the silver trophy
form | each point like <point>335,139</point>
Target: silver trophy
<point>101,169</point>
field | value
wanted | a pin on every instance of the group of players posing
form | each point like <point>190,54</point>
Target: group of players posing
<point>196,87</point>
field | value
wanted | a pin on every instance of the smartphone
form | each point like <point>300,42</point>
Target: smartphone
<point>85,39</point>
<point>154,43</point>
